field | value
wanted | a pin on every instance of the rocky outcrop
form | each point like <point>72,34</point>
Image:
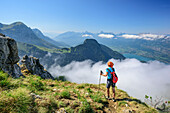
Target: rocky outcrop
<point>9,56</point>
<point>33,65</point>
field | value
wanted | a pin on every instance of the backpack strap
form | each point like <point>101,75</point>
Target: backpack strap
<point>113,69</point>
<point>110,73</point>
<point>109,70</point>
<point>114,72</point>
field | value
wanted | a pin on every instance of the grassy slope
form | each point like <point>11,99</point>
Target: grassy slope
<point>15,96</point>
<point>30,48</point>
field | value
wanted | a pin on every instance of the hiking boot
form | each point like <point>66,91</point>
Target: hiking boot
<point>114,100</point>
<point>108,98</point>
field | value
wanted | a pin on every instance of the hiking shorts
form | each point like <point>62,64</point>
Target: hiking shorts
<point>110,83</point>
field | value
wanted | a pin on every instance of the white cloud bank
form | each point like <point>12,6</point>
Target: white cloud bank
<point>106,35</point>
<point>138,79</point>
<point>143,36</point>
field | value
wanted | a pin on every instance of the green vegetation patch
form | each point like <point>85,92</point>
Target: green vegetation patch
<point>85,107</point>
<point>4,80</point>
<point>65,94</point>
<point>3,76</point>
<point>36,84</point>
<point>17,100</point>
<point>54,50</point>
<point>98,97</point>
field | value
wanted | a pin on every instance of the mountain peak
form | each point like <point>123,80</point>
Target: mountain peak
<point>17,23</point>
<point>94,51</point>
<point>91,41</point>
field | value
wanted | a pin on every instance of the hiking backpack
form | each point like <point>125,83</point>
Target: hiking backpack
<point>114,76</point>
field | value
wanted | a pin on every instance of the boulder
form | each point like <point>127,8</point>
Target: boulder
<point>33,65</point>
<point>9,56</point>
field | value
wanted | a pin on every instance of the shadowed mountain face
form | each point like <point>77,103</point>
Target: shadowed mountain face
<point>21,33</point>
<point>90,49</point>
<point>39,34</point>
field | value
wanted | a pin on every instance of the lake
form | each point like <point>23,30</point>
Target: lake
<point>140,58</point>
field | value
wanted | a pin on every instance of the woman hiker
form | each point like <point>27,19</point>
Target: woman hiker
<point>108,74</point>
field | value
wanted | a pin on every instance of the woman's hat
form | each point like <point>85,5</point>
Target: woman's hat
<point>110,64</point>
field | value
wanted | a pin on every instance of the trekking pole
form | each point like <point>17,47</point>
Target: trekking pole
<point>100,79</point>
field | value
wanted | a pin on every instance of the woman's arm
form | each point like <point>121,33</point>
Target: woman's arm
<point>104,74</point>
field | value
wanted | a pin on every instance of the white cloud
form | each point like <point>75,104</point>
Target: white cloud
<point>87,35</point>
<point>138,79</point>
<point>143,36</point>
<point>106,35</point>
<point>131,36</point>
<point>153,36</point>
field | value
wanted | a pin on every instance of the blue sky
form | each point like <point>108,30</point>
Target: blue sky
<point>57,16</point>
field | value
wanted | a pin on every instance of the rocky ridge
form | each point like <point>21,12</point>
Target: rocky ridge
<point>9,59</point>
<point>34,67</point>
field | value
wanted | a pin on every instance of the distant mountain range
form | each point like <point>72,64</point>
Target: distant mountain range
<point>105,37</point>
<point>148,45</point>
<point>22,33</point>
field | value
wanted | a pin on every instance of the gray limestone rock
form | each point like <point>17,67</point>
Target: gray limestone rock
<point>33,65</point>
<point>9,56</point>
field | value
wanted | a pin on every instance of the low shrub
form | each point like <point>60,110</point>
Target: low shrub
<point>4,83</point>
<point>77,93</point>
<point>65,94</point>
<point>56,93</point>
<point>80,86</point>
<point>69,110</point>
<point>52,106</point>
<point>74,104</point>
<point>86,107</point>
<point>3,76</point>
<point>17,100</point>
<point>61,104</point>
<point>89,90</point>
<point>97,97</point>
<point>36,85</point>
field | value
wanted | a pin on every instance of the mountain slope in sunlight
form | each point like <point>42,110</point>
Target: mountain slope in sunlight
<point>22,33</point>
<point>33,94</point>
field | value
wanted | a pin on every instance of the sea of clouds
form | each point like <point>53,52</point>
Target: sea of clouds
<point>136,78</point>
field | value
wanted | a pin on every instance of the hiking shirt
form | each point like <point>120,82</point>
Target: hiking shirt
<point>109,76</point>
